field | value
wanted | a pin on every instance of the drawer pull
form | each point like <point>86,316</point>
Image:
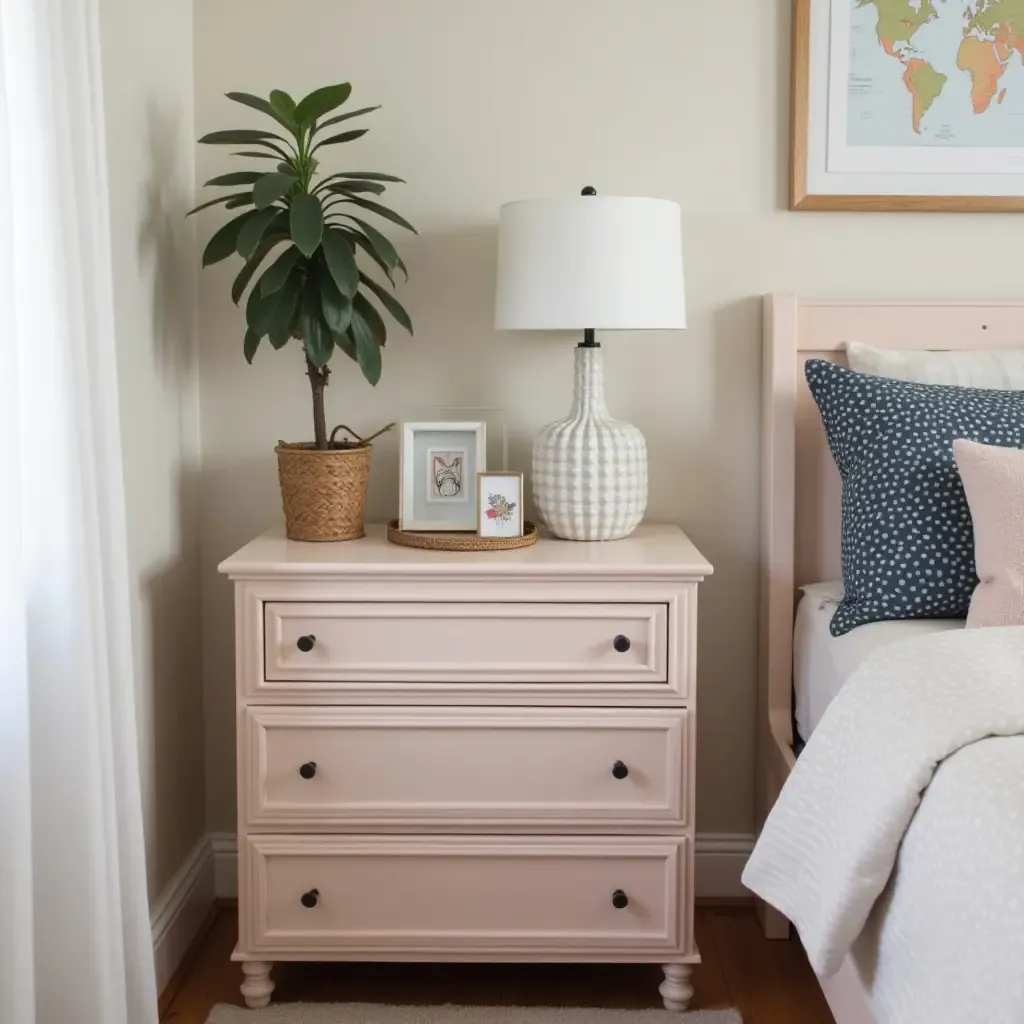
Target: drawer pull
<point>311,898</point>
<point>620,900</point>
<point>620,769</point>
<point>308,770</point>
<point>306,643</point>
<point>621,644</point>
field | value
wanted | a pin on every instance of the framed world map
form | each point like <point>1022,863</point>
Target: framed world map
<point>908,105</point>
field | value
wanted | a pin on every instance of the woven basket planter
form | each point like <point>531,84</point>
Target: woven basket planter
<point>324,493</point>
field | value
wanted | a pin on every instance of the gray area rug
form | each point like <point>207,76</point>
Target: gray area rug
<point>364,1013</point>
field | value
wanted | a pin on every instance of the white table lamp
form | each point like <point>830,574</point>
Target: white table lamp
<point>590,263</point>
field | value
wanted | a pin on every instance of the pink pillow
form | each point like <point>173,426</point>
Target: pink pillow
<point>994,481</point>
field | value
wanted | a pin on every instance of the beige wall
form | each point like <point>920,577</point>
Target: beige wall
<point>147,71</point>
<point>486,102</point>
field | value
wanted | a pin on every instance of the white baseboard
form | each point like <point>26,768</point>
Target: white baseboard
<point>720,858</point>
<point>719,861</point>
<point>181,908</point>
<point>224,846</point>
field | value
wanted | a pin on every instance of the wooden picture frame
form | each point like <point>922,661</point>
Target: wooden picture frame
<point>814,186</point>
<point>515,523</point>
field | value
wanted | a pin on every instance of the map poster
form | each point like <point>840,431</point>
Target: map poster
<point>908,105</point>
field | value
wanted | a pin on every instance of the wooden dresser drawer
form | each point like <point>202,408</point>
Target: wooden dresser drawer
<point>438,642</point>
<point>468,768</point>
<point>471,896</point>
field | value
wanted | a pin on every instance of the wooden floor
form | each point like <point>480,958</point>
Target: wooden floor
<point>768,982</point>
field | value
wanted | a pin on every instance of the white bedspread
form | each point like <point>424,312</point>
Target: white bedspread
<point>941,716</point>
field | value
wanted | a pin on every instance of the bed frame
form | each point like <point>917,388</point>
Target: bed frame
<point>800,507</point>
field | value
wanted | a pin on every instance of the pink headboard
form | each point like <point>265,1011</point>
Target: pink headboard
<point>800,488</point>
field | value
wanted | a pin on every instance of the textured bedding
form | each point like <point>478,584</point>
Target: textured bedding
<point>822,663</point>
<point>900,833</point>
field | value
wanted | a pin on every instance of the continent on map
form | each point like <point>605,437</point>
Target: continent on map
<point>979,57</point>
<point>1001,19</point>
<point>995,28</point>
<point>898,20</point>
<point>925,85</point>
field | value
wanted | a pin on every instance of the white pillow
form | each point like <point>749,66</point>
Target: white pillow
<point>991,371</point>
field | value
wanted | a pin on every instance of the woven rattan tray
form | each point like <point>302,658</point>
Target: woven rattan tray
<point>460,541</point>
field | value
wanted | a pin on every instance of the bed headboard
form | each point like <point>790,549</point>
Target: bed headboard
<point>800,487</point>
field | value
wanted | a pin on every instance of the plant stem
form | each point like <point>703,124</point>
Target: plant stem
<point>318,381</point>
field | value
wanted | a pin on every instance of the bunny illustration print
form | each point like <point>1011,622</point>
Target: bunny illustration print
<point>445,475</point>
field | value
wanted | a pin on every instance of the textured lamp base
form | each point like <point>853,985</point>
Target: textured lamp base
<point>590,471</point>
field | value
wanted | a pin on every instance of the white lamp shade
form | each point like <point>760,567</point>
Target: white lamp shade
<point>607,263</point>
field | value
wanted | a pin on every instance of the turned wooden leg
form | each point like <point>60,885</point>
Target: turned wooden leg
<point>676,989</point>
<point>256,986</point>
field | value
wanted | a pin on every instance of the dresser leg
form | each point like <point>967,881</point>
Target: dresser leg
<point>676,989</point>
<point>257,986</point>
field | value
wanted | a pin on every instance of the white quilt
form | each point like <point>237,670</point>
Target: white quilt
<point>900,833</point>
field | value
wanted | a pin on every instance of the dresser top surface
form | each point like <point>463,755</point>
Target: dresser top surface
<point>652,551</point>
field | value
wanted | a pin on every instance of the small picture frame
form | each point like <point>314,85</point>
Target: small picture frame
<point>440,463</point>
<point>499,502</point>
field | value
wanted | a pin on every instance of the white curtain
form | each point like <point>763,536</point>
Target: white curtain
<point>75,940</point>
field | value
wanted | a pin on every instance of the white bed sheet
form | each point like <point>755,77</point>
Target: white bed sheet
<point>822,663</point>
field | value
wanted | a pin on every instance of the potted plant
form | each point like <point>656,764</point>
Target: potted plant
<point>306,233</point>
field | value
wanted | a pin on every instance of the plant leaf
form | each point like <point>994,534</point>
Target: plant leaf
<point>242,199</point>
<point>257,103</point>
<point>283,105</point>
<point>345,117</point>
<point>307,222</point>
<point>389,302</point>
<point>381,244</point>
<point>252,342</point>
<point>316,335</point>
<point>341,262</point>
<point>272,187</point>
<point>371,176</point>
<point>251,266</point>
<point>256,156</point>
<point>235,178</point>
<point>351,187</point>
<point>253,230</point>
<point>224,240</point>
<point>280,306</point>
<point>361,305</point>
<point>364,244</point>
<point>234,136</point>
<point>337,309</point>
<point>279,270</point>
<point>334,140</point>
<point>345,343</point>
<point>367,349</point>
<point>324,183</point>
<point>381,211</point>
<point>320,102</point>
<point>219,199</point>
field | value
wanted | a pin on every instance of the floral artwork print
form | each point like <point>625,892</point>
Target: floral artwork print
<point>500,509</point>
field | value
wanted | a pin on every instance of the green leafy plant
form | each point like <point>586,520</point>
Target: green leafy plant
<point>316,229</point>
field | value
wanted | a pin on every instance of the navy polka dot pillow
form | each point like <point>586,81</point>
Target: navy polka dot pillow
<point>908,542</point>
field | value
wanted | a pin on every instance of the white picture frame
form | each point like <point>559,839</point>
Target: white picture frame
<point>499,504</point>
<point>438,469</point>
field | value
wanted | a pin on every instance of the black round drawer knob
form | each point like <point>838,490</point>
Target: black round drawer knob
<point>308,770</point>
<point>620,900</point>
<point>620,769</point>
<point>621,644</point>
<point>306,643</point>
<point>311,899</point>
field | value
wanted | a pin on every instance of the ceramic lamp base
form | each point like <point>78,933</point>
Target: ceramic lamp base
<point>590,470</point>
